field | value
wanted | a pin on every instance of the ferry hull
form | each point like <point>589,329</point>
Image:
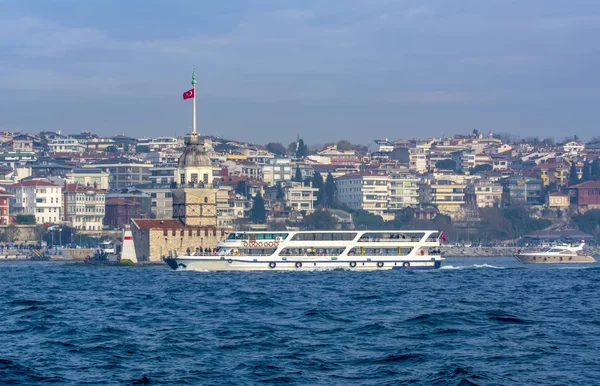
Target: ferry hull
<point>196,264</point>
<point>542,259</point>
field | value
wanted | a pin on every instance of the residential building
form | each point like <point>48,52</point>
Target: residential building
<point>484,194</point>
<point>420,212</point>
<point>84,207</point>
<point>161,199</point>
<point>163,142</point>
<point>364,191</point>
<point>447,195</point>
<point>66,145</point>
<point>403,191</point>
<point>277,170</point>
<point>89,177</point>
<point>300,197</point>
<point>119,211</point>
<point>573,147</point>
<point>523,190</point>
<point>557,200</point>
<point>123,172</point>
<point>587,195</point>
<point>163,174</point>
<point>553,172</point>
<point>5,207</point>
<point>418,162</point>
<point>40,198</point>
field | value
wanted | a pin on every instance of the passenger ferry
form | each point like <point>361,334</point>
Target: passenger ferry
<point>318,250</point>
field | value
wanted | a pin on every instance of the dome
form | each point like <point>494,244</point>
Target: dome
<point>193,155</point>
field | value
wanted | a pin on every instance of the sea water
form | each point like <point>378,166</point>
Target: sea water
<point>482,321</point>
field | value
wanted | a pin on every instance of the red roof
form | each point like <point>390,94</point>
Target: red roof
<point>587,184</point>
<point>5,193</point>
<point>121,201</point>
<point>34,183</point>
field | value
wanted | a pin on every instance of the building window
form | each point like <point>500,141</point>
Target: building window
<point>183,178</point>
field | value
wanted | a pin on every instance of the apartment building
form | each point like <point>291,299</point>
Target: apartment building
<point>300,197</point>
<point>40,198</point>
<point>484,194</point>
<point>161,199</point>
<point>5,207</point>
<point>277,170</point>
<point>84,207</point>
<point>418,160</point>
<point>403,191</point>
<point>89,177</point>
<point>447,195</point>
<point>123,172</point>
<point>66,145</point>
<point>523,190</point>
<point>365,191</point>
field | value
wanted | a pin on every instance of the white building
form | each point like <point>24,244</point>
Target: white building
<point>300,197</point>
<point>84,207</point>
<point>40,198</point>
<point>365,191</point>
<point>88,176</point>
<point>418,159</point>
<point>485,194</point>
<point>573,147</point>
<point>403,191</point>
<point>164,142</point>
<point>277,170</point>
<point>66,145</point>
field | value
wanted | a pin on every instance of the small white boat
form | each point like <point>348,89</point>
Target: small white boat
<point>318,250</point>
<point>560,254</point>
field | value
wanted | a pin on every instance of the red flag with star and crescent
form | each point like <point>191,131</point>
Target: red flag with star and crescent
<point>188,94</point>
<point>443,236</point>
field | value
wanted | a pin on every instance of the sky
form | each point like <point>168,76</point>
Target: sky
<point>269,70</point>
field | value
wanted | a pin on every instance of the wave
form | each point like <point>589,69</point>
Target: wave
<point>474,266</point>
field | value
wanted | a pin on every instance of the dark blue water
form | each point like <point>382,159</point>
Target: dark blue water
<point>478,321</point>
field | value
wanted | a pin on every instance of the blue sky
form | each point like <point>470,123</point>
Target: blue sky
<point>330,69</point>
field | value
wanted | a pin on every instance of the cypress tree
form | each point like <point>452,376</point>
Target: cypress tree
<point>317,183</point>
<point>595,172</point>
<point>586,174</point>
<point>330,190</point>
<point>298,177</point>
<point>573,180</point>
<point>258,214</point>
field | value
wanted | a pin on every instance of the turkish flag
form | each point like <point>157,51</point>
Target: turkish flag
<point>443,236</point>
<point>188,94</point>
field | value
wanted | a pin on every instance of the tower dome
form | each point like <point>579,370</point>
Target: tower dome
<point>194,164</point>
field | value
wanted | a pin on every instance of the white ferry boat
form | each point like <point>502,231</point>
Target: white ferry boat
<point>318,250</point>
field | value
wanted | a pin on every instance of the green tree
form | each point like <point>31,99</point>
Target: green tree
<point>111,149</point>
<point>298,176</point>
<point>302,150</point>
<point>446,164</point>
<point>366,220</point>
<point>588,222</point>
<point>344,145</point>
<point>142,149</point>
<point>586,174</point>
<point>481,168</point>
<point>25,219</point>
<point>573,179</point>
<point>319,220</point>
<point>595,169</point>
<point>258,214</point>
<point>330,191</point>
<point>276,148</point>
<point>280,192</point>
<point>317,183</point>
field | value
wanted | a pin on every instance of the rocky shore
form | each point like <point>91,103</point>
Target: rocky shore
<point>475,251</point>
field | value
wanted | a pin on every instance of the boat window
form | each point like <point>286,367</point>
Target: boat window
<point>329,236</point>
<point>257,251</point>
<point>402,251</point>
<point>310,251</point>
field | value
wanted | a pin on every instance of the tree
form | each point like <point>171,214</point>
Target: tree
<point>330,191</point>
<point>142,149</point>
<point>595,169</point>
<point>111,149</point>
<point>586,174</point>
<point>446,164</point>
<point>276,148</point>
<point>280,192</point>
<point>298,176</point>
<point>25,219</point>
<point>588,222</point>
<point>317,183</point>
<point>258,213</point>
<point>242,188</point>
<point>573,179</point>
<point>320,220</point>
<point>475,133</point>
<point>366,220</point>
<point>302,150</point>
<point>344,145</point>
<point>481,168</point>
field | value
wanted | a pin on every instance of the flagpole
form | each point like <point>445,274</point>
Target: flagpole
<point>194,101</point>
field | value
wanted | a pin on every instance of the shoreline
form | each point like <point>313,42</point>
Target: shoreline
<point>498,251</point>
